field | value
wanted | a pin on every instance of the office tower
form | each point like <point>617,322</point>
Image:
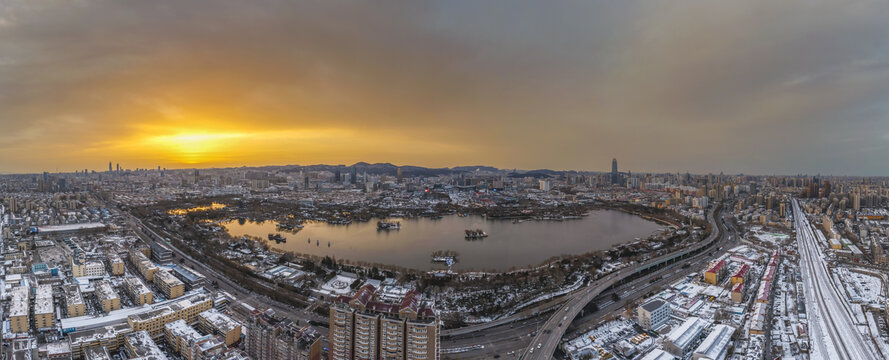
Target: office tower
<point>365,327</point>
<point>399,175</point>
<point>110,169</point>
<point>614,176</point>
<point>306,182</point>
<point>337,176</point>
<point>353,176</point>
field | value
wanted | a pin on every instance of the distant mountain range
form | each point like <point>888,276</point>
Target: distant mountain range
<point>409,170</point>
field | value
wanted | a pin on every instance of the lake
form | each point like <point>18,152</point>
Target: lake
<point>524,244</point>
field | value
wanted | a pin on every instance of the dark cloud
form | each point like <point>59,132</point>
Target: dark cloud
<point>758,87</point>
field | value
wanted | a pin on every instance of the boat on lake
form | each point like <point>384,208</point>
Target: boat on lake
<point>476,234</point>
<point>383,225</point>
<point>277,238</point>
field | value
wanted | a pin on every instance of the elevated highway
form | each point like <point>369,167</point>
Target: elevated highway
<point>547,339</point>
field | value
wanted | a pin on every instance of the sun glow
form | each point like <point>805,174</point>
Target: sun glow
<point>197,147</point>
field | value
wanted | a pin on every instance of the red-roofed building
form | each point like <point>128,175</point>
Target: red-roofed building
<point>362,327</point>
<point>738,293</point>
<point>715,273</point>
<point>740,276</point>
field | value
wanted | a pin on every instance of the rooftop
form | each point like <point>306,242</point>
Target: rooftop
<point>69,227</point>
<point>653,305</point>
<point>168,278</point>
<point>73,295</point>
<point>143,347</point>
<point>104,291</point>
<point>219,320</point>
<point>683,335</point>
<point>18,303</point>
<point>658,354</point>
<point>43,301</point>
<point>97,335</point>
<point>136,285</point>
<point>180,328</point>
<point>188,274</point>
<point>716,342</point>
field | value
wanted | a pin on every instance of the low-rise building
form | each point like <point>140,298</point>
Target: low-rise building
<point>86,268</point>
<point>758,319</point>
<point>653,314</point>
<point>180,337</point>
<point>186,308</point>
<point>161,253</point>
<point>107,296</point>
<point>191,278</point>
<point>738,293</point>
<point>74,301</point>
<point>110,337</point>
<point>683,339</point>
<point>96,353</point>
<point>143,264</point>
<point>19,310</point>
<point>715,273</point>
<point>168,284</point>
<point>116,264</point>
<point>740,276</point>
<point>58,350</point>
<point>44,314</point>
<point>140,345</point>
<point>658,354</point>
<point>214,322</point>
<point>138,291</point>
<point>715,345</point>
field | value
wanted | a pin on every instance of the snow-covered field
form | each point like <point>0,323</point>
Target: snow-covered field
<point>772,238</point>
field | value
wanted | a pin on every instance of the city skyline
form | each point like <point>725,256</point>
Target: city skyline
<point>118,168</point>
<point>565,86</point>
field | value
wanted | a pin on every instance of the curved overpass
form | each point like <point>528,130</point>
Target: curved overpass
<point>550,333</point>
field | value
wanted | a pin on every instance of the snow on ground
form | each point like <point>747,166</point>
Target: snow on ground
<point>576,285</point>
<point>339,285</point>
<point>772,238</point>
<point>861,288</point>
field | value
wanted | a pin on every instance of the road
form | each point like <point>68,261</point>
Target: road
<point>225,284</point>
<point>510,338</point>
<point>835,334</point>
<point>544,344</point>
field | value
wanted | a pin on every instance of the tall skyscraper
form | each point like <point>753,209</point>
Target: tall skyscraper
<point>399,175</point>
<point>110,169</point>
<point>614,175</point>
<point>354,176</point>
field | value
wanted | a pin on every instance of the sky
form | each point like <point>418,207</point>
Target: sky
<point>756,87</point>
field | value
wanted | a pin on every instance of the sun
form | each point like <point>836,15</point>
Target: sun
<point>196,147</point>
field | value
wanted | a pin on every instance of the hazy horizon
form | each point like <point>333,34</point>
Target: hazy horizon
<point>622,170</point>
<point>756,87</point>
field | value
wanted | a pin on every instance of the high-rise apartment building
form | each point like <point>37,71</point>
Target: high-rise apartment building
<point>362,327</point>
<point>615,178</point>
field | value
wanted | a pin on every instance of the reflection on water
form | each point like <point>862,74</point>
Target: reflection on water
<point>213,206</point>
<point>508,245</point>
